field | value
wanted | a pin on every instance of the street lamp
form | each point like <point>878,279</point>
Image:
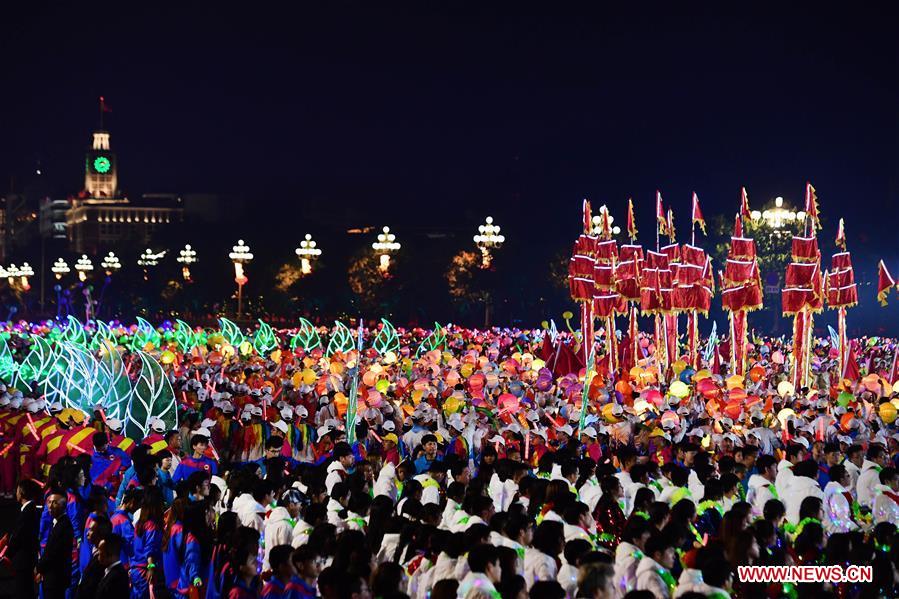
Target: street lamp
<point>149,258</point>
<point>307,252</point>
<point>488,238</point>
<point>385,246</point>
<point>24,272</point>
<point>778,217</point>
<point>83,266</point>
<point>598,218</point>
<point>240,255</point>
<point>111,263</point>
<point>60,268</point>
<point>187,257</point>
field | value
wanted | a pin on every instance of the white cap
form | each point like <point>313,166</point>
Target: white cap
<point>281,426</point>
<point>256,410</point>
<point>540,432</point>
<point>157,425</point>
<point>590,432</point>
<point>301,411</point>
<point>389,426</point>
<point>114,424</point>
<point>4,401</point>
<point>532,415</point>
<point>33,406</point>
<point>497,439</point>
<point>565,429</point>
<point>844,439</point>
<point>802,441</point>
<point>286,413</point>
<point>203,431</point>
<point>56,407</point>
<point>246,415</point>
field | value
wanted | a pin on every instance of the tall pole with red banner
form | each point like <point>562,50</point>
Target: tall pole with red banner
<point>803,293</point>
<point>627,283</point>
<point>841,291</point>
<point>741,286</point>
<point>581,282</point>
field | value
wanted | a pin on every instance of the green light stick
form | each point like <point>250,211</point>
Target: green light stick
<point>582,424</point>
<point>354,391</point>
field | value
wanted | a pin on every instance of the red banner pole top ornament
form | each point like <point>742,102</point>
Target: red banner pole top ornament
<point>696,217</point>
<point>744,204</point>
<point>811,207</point>
<point>885,283</point>
<point>661,218</point>
<point>841,236</point>
<point>631,222</point>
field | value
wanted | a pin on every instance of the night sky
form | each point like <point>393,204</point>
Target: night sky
<point>428,116</point>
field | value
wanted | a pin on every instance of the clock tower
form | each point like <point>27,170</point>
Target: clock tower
<point>100,178</point>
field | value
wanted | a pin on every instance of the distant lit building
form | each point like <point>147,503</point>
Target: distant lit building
<point>101,216</point>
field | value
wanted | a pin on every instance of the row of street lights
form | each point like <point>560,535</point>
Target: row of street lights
<point>487,240</point>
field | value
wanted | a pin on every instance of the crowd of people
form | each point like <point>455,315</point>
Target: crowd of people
<point>478,469</point>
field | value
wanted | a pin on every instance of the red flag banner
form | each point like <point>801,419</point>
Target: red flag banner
<point>744,204</point>
<point>631,222</point>
<point>841,236</point>
<point>661,219</point>
<point>885,283</point>
<point>811,206</point>
<point>696,217</point>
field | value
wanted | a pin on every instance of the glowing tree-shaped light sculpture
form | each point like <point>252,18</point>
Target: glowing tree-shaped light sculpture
<point>240,255</point>
<point>186,257</point>
<point>83,266</point>
<point>487,239</point>
<point>307,252</point>
<point>111,263</point>
<point>384,247</point>
<point>60,268</point>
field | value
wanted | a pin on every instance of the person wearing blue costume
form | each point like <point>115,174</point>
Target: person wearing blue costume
<point>429,444</point>
<point>107,463</point>
<point>147,559</point>
<point>196,461</point>
<point>198,539</point>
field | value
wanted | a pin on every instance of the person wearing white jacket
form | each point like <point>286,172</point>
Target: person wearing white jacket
<point>795,454</point>
<point>886,498</point>
<point>870,476</point>
<point>337,470</point>
<point>250,508</point>
<point>540,562</point>
<point>628,555</point>
<point>804,483</point>
<point>838,517</point>
<point>761,488</point>
<point>654,570</point>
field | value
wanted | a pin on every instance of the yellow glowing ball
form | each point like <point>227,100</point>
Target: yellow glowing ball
<point>336,367</point>
<point>275,356</point>
<point>389,358</point>
<point>382,386</point>
<point>537,364</point>
<point>896,387</point>
<point>246,348</point>
<point>308,376</point>
<point>452,405</point>
<point>416,396</point>
<point>216,340</point>
<point>679,389</point>
<point>785,388</point>
<point>227,351</point>
<point>369,378</point>
<point>607,412</point>
<point>678,367</point>
<point>702,374</point>
<point>887,413</point>
<point>785,415</point>
<point>734,382</point>
<point>167,357</point>
<point>466,370</point>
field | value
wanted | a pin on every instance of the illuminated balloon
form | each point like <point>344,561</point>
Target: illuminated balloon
<point>508,402</point>
<point>756,373</point>
<point>608,413</point>
<point>679,389</point>
<point>777,357</point>
<point>871,382</point>
<point>654,397</point>
<point>734,382</point>
<point>167,357</point>
<point>702,374</point>
<point>336,367</point>
<point>452,405</point>
<point>678,367</point>
<point>847,421</point>
<point>887,413</point>
<point>246,348</point>
<point>669,419</point>
<point>382,385</point>
<point>492,380</point>
<point>466,370</point>
<point>369,378</point>
<point>845,398</point>
<point>785,388</point>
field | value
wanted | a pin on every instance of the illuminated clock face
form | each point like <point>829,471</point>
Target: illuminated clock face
<point>102,164</point>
